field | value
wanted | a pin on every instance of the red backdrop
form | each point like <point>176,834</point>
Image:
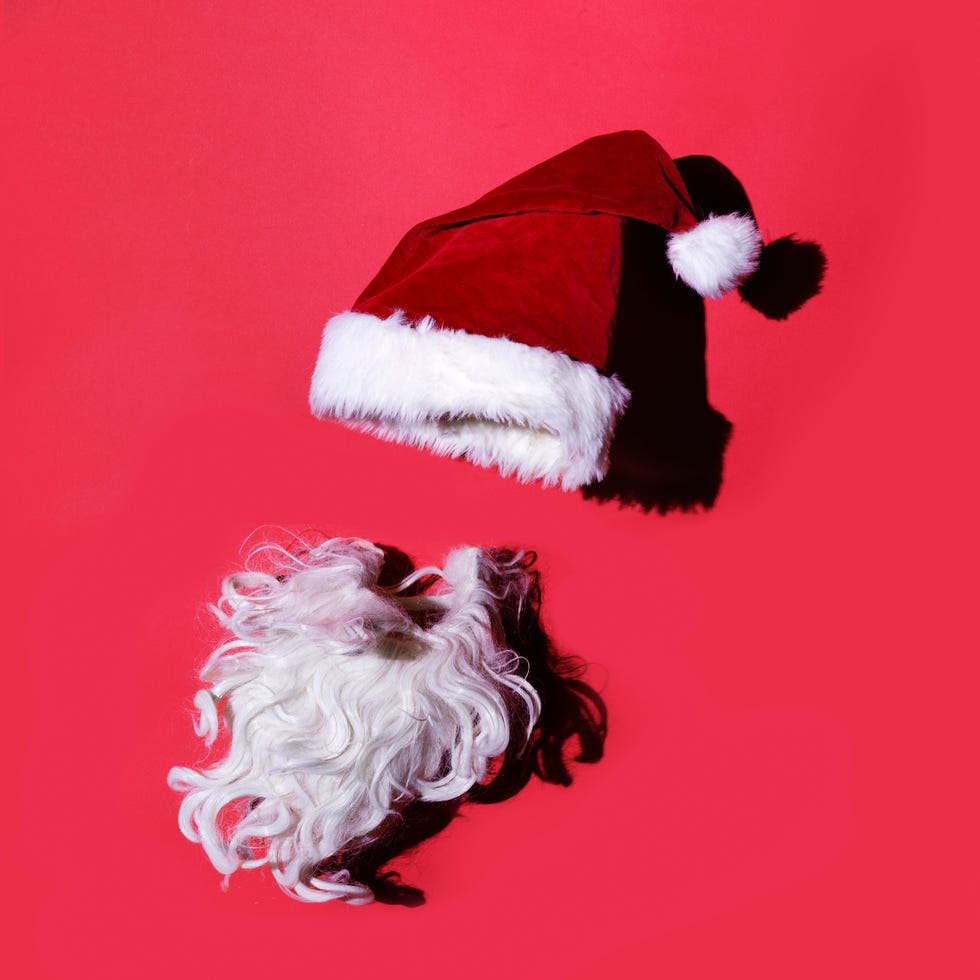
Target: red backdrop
<point>789,789</point>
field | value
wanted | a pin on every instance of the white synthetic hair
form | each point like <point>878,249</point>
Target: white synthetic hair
<point>345,701</point>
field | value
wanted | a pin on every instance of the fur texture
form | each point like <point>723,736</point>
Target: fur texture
<point>529,411</point>
<point>717,254</point>
<point>348,703</point>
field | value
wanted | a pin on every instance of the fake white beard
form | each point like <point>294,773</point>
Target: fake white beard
<point>346,701</point>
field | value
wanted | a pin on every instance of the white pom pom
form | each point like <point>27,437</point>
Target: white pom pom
<point>717,254</point>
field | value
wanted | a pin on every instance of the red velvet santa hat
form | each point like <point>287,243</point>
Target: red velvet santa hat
<point>486,333</point>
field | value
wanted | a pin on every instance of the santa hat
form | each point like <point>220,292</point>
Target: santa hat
<point>486,333</point>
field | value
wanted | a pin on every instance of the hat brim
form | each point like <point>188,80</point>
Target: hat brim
<point>533,413</point>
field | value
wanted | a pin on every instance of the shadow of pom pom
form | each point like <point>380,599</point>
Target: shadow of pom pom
<point>790,272</point>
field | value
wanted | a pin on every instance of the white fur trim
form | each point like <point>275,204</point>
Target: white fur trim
<point>529,411</point>
<point>717,254</point>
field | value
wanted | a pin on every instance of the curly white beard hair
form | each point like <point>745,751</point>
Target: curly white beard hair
<point>352,706</point>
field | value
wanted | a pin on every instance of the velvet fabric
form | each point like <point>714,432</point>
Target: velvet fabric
<point>538,259</point>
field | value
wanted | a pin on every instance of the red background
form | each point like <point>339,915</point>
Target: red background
<point>789,789</point>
